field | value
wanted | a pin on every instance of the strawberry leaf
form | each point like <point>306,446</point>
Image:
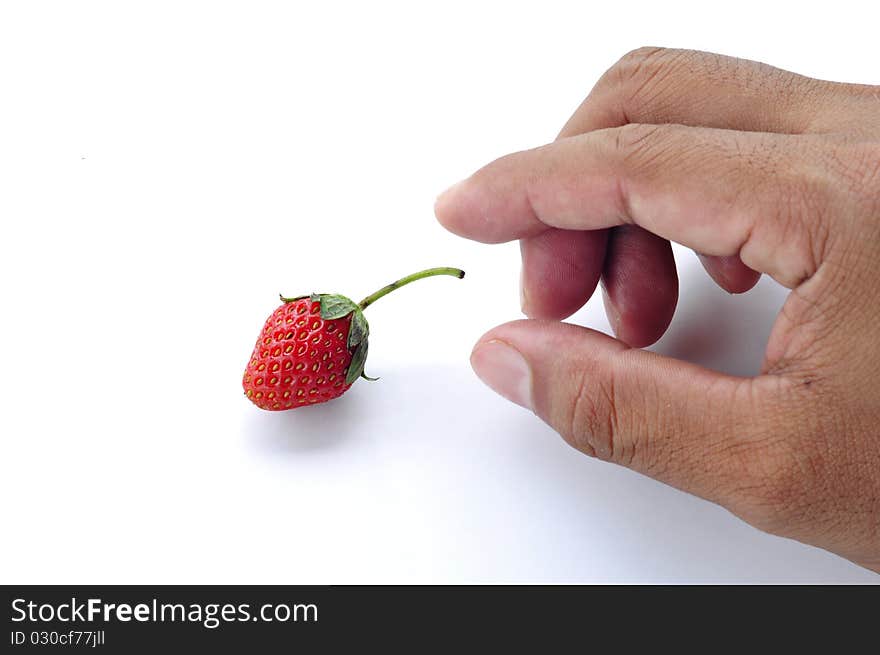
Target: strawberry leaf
<point>360,329</point>
<point>335,306</point>
<point>356,368</point>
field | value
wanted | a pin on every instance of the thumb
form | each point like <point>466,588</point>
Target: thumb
<point>677,422</point>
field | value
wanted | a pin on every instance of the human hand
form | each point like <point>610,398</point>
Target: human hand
<point>760,171</point>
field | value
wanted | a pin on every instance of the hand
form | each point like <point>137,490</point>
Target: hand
<point>760,171</point>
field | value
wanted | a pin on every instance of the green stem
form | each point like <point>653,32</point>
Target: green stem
<point>373,297</point>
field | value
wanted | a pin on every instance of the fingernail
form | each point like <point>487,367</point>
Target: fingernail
<point>611,312</point>
<point>504,370</point>
<point>523,299</point>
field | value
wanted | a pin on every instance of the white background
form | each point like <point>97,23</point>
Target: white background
<point>166,168</point>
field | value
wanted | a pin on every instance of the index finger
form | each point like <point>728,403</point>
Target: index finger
<point>704,188</point>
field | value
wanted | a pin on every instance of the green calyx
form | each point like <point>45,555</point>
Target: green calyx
<point>335,306</point>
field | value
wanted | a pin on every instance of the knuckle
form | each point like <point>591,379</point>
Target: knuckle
<point>856,166</point>
<point>856,97</point>
<point>801,216</point>
<point>593,424</point>
<point>637,136</point>
<point>842,108</point>
<point>867,92</point>
<point>642,152</point>
<point>828,200</point>
<point>639,74</point>
<point>792,212</point>
<point>642,145</point>
<point>638,59</point>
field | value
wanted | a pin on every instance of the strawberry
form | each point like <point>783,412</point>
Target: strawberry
<point>313,348</point>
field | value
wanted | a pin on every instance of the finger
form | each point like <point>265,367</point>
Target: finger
<point>704,188</point>
<point>730,273</point>
<point>640,285</point>
<point>674,421</point>
<point>560,271</point>
<point>659,85</point>
<point>688,87</point>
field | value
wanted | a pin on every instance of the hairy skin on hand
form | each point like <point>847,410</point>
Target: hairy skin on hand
<point>762,172</point>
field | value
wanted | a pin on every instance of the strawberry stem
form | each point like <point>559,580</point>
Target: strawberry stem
<point>373,297</point>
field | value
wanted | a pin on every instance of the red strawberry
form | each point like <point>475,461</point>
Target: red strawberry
<point>313,348</point>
